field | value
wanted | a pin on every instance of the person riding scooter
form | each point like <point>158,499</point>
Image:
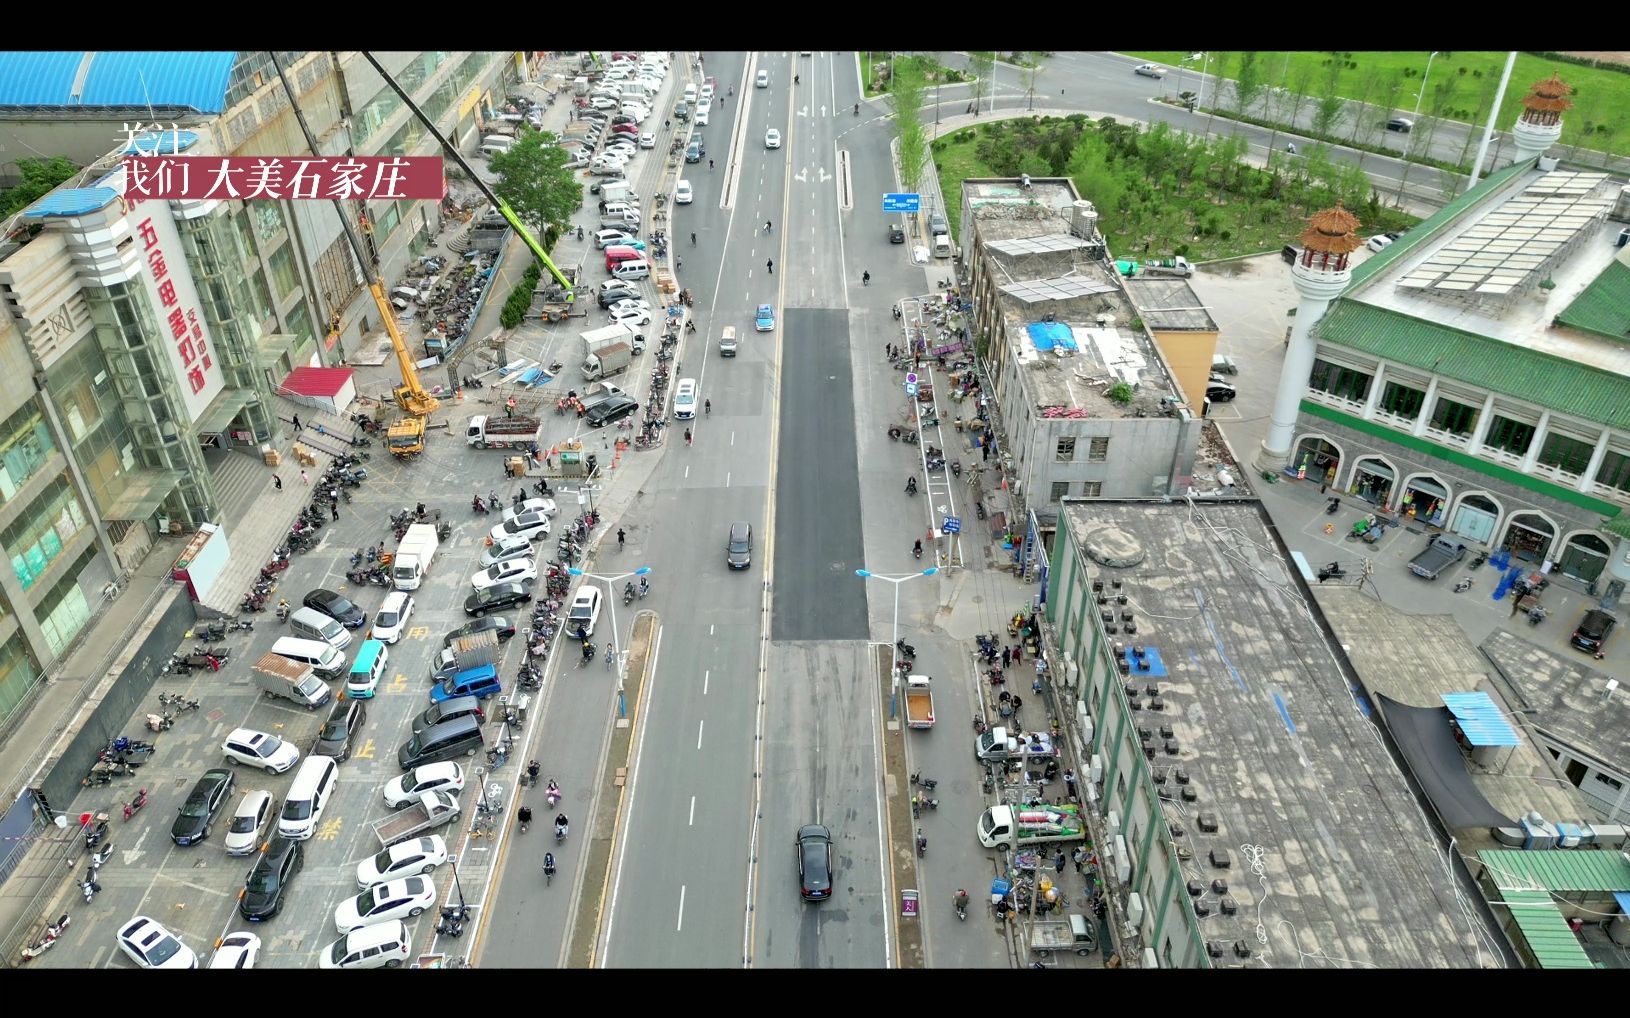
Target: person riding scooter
<point>911,485</point>
<point>917,550</point>
<point>561,827</point>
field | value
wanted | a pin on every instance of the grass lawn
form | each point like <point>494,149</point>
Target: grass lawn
<point>1601,97</point>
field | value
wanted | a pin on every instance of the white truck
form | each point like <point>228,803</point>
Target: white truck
<point>497,432</point>
<point>280,676</point>
<point>606,360</point>
<point>618,190</point>
<point>1004,827</point>
<point>998,745</point>
<point>1178,266</point>
<point>428,812</point>
<point>594,339</point>
<point>919,702</point>
<point>413,556</point>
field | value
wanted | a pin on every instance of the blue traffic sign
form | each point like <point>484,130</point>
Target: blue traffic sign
<point>911,388</point>
<point>952,525</point>
<point>902,202</point>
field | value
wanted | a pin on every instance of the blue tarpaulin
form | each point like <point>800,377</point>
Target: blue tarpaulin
<point>1046,335</point>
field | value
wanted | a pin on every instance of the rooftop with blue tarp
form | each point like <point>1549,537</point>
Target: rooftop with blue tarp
<point>1047,335</point>
<point>1480,720</point>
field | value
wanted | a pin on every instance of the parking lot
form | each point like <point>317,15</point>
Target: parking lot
<point>193,890</point>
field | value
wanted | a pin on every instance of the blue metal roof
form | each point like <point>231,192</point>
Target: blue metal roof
<point>134,78</point>
<point>161,143</point>
<point>1480,720</point>
<point>73,201</point>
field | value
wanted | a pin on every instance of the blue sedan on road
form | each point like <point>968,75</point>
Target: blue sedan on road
<point>766,318</point>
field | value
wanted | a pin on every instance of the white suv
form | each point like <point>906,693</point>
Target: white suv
<point>260,749</point>
<point>392,618</point>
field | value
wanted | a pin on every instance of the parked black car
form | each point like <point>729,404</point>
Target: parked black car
<point>617,293</point>
<point>192,822</point>
<point>344,721</point>
<point>1592,632</point>
<point>336,607</point>
<point>504,626</point>
<point>499,595</point>
<point>615,408</point>
<point>263,888</point>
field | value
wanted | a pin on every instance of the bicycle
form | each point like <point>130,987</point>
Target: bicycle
<point>482,826</point>
<point>707,408</point>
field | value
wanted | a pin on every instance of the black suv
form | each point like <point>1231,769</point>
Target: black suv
<point>499,595</point>
<point>192,823</point>
<point>897,235</point>
<point>264,886</point>
<point>615,408</point>
<point>336,608</point>
<point>344,721</point>
<point>1592,632</point>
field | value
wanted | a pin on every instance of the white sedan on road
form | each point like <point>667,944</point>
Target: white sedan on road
<point>584,612</point>
<point>508,571</point>
<point>392,617</point>
<point>772,138</point>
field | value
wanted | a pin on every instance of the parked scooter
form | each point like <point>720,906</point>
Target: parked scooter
<point>1537,614</point>
<point>89,886</point>
<point>47,939</point>
<point>1463,585</point>
<point>1332,507</point>
<point>1333,571</point>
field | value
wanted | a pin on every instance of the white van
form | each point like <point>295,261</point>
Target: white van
<point>634,268</point>
<point>496,144</point>
<point>315,654</point>
<point>701,115</point>
<point>942,246</point>
<point>685,399</point>
<point>383,945</point>
<point>311,624</point>
<point>690,95</point>
<point>617,208</point>
<point>632,90</point>
<point>308,796</point>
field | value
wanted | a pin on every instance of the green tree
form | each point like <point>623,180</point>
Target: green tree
<point>1370,84</point>
<point>980,64</point>
<point>37,178</point>
<point>1249,83</point>
<point>906,91</point>
<point>1032,68</point>
<point>534,180</point>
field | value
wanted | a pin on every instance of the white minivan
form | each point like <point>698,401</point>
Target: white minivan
<point>685,400</point>
<point>690,95</point>
<point>308,796</point>
<point>701,115</point>
<point>682,193</point>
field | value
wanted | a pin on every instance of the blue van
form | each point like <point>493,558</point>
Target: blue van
<point>480,681</point>
<point>366,670</point>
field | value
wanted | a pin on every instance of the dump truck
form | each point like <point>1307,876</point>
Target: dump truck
<point>428,812</point>
<point>1001,827</point>
<point>279,676</point>
<point>919,702</point>
<point>607,360</point>
<point>1000,746</point>
<point>498,432</point>
<point>1440,553</point>
<point>413,556</point>
<point>406,437</point>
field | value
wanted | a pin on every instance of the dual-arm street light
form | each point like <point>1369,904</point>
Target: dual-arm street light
<point>894,670</point>
<point>616,646</point>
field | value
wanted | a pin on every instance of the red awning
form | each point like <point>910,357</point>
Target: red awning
<point>326,382</point>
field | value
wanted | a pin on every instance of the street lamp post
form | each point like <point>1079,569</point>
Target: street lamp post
<point>1422,97</point>
<point>1186,60</point>
<point>894,650</point>
<point>616,645</point>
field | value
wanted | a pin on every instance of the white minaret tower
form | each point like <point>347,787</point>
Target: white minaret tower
<point>1320,274</point>
<point>1540,124</point>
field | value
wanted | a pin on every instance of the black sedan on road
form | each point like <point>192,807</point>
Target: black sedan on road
<point>336,607</point>
<point>344,721</point>
<point>206,799</point>
<point>263,888</point>
<point>499,595</point>
<point>815,862</point>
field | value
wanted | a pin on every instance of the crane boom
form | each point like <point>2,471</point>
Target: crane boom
<point>458,157</point>
<point>411,394</point>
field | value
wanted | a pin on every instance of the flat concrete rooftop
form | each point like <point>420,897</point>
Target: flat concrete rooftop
<point>1334,862</point>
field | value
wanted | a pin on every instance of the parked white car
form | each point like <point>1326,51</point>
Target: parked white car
<point>237,951</point>
<point>391,619</point>
<point>508,571</point>
<point>546,506</point>
<point>248,824</point>
<point>530,526</point>
<point>417,855</point>
<point>509,547</point>
<point>147,943</point>
<point>394,899</point>
<point>630,316</point>
<point>260,749</point>
<point>437,777</point>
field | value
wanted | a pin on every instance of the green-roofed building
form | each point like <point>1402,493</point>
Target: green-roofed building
<point>1475,374</point>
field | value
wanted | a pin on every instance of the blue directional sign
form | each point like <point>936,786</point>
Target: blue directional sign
<point>911,388</point>
<point>952,525</point>
<point>902,202</point>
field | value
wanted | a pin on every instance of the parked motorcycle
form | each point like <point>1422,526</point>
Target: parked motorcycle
<point>160,722</point>
<point>47,939</point>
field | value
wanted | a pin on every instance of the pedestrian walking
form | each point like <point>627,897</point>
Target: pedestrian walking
<point>1069,786</point>
<point>1058,863</point>
<point>1080,856</point>
<point>1018,651</point>
<point>888,351</point>
<point>687,436</point>
<point>693,238</point>
<point>277,482</point>
<point>305,478</point>
<point>769,266</point>
<point>984,450</point>
<point>335,509</point>
<point>296,422</point>
<point>620,536</point>
<point>1007,656</point>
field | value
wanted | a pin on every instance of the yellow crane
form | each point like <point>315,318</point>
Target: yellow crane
<point>405,437</point>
